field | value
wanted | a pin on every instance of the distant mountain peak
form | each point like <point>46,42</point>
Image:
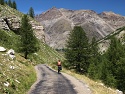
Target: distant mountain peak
<point>110,13</point>
<point>59,22</point>
<point>54,7</point>
<point>112,17</point>
<point>50,14</point>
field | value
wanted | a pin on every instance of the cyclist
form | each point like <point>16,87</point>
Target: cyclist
<point>59,66</point>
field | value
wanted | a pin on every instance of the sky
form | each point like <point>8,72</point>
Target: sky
<point>39,6</point>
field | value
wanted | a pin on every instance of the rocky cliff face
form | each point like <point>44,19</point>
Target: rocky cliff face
<point>10,20</point>
<point>10,23</point>
<point>115,20</point>
<point>3,24</point>
<point>59,22</point>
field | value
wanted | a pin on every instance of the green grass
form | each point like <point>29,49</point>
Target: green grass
<point>18,73</point>
<point>7,11</point>
<point>45,55</point>
<point>9,39</point>
<point>23,69</point>
<point>20,76</point>
<point>23,75</point>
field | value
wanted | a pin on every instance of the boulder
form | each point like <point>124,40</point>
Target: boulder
<point>119,92</point>
<point>11,54</point>
<point>2,49</point>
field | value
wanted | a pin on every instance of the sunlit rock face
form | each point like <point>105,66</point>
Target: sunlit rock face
<point>59,22</point>
<point>13,23</point>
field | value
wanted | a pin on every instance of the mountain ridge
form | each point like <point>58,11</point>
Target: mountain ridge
<point>94,24</point>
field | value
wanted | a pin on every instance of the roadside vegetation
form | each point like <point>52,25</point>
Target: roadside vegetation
<point>102,72</point>
<point>16,76</point>
<point>96,86</point>
<point>85,58</point>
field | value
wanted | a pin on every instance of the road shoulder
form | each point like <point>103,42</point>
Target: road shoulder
<point>80,87</point>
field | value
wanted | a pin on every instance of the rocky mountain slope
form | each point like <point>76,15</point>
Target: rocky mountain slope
<point>59,22</point>
<point>10,23</point>
<point>10,20</point>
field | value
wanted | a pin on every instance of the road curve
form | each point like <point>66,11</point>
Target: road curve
<point>50,82</point>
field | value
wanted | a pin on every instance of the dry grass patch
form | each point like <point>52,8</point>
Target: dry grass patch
<point>96,87</point>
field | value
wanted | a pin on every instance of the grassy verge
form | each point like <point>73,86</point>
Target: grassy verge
<point>96,87</point>
<point>16,76</point>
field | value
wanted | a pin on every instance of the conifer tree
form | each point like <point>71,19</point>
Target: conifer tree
<point>14,5</point>
<point>115,56</point>
<point>120,73</point>
<point>94,48</point>
<point>6,2</point>
<point>114,53</point>
<point>9,3</point>
<point>29,43</point>
<point>77,48</point>
<point>2,2</point>
<point>31,12</point>
<point>93,70</point>
<point>120,77</point>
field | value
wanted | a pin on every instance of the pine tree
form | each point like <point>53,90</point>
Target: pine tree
<point>115,56</point>
<point>6,2</point>
<point>115,51</point>
<point>29,43</point>
<point>106,73</point>
<point>2,2</point>
<point>31,12</point>
<point>77,48</point>
<point>9,3</point>
<point>93,70</point>
<point>94,48</point>
<point>14,5</point>
<point>120,73</point>
<point>120,77</point>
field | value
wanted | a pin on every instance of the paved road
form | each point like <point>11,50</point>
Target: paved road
<point>50,82</point>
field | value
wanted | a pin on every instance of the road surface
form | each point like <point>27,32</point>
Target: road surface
<point>50,82</point>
